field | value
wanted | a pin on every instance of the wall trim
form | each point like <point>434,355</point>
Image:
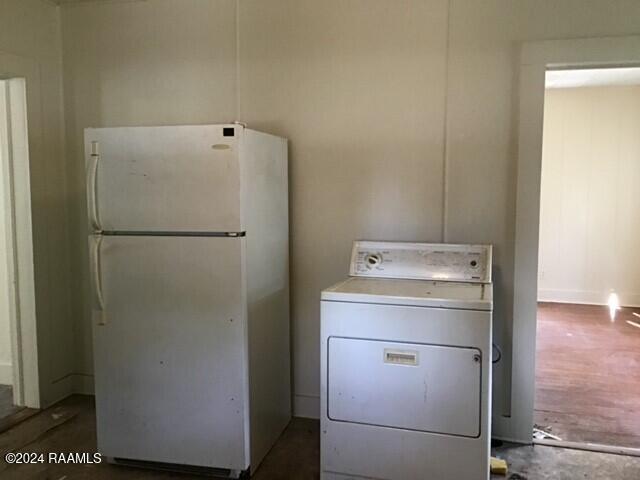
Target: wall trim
<point>25,148</point>
<point>82,384</point>
<point>535,59</point>
<point>585,297</point>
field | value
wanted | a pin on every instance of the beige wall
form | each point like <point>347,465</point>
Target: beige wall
<point>316,71</point>
<point>401,116</point>
<point>590,213</point>
<point>157,62</point>
<point>358,88</point>
<point>30,29</point>
<point>482,123</point>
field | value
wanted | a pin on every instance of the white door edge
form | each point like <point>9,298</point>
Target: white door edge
<point>22,79</point>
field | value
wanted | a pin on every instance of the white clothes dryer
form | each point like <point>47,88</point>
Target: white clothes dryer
<point>406,364</point>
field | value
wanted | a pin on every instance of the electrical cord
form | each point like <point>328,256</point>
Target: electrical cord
<point>497,349</point>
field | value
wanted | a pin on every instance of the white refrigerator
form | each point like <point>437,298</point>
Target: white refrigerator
<point>190,286</point>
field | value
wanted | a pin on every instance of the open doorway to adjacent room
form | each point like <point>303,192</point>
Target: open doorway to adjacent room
<point>14,212</point>
<point>588,321</point>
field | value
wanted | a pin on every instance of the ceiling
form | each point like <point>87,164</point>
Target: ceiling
<point>592,77</point>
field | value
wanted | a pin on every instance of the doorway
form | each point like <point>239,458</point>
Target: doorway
<point>588,320</point>
<point>536,58</point>
<point>13,212</point>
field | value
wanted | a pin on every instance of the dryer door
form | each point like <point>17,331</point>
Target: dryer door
<point>429,388</point>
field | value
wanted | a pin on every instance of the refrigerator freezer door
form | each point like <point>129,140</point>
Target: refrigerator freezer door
<point>164,179</point>
<point>170,350</point>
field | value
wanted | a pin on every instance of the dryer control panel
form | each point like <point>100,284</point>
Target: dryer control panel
<point>422,261</point>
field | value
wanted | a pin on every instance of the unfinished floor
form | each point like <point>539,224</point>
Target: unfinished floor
<point>588,374</point>
<point>70,427</point>
<point>7,407</point>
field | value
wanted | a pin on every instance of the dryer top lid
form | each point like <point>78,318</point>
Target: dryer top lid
<point>422,261</point>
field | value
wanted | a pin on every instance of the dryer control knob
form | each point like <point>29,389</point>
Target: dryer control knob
<point>373,260</point>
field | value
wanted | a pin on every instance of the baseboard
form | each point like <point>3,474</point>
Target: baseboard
<point>69,384</point>
<point>586,297</point>
<point>6,374</point>
<point>82,384</point>
<point>306,406</point>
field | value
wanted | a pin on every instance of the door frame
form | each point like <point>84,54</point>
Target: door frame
<point>23,99</point>
<point>535,59</point>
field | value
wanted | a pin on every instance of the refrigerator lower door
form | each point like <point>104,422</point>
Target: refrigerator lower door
<point>170,349</point>
<point>164,179</point>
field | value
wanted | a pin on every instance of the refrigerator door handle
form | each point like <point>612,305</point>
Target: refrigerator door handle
<point>92,181</point>
<point>97,277</point>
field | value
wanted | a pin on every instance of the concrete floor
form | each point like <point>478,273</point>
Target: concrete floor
<point>70,427</point>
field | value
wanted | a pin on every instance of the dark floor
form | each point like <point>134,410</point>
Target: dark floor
<point>588,374</point>
<point>9,413</point>
<point>7,407</point>
<point>70,427</point>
